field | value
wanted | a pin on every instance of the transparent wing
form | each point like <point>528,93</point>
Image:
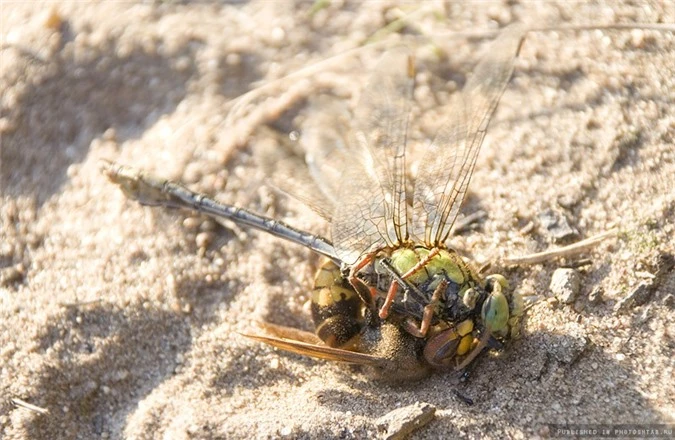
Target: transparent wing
<point>325,142</point>
<point>444,173</point>
<point>287,172</point>
<point>313,172</point>
<point>371,210</point>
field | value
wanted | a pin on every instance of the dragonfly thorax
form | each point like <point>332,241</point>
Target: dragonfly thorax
<point>426,276</point>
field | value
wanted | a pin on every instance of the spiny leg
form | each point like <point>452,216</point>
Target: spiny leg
<point>420,331</point>
<point>359,285</point>
<point>430,308</point>
<point>393,288</point>
<point>388,300</point>
<point>423,262</point>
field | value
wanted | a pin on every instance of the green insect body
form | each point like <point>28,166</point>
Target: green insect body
<point>446,266</point>
<point>461,307</point>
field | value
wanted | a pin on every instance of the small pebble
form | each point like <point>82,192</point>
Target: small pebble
<point>204,239</point>
<point>595,297</point>
<point>554,224</point>
<point>277,36</point>
<point>286,431</point>
<point>53,20</point>
<point>233,59</point>
<point>192,173</point>
<point>192,223</point>
<point>669,301</point>
<point>401,422</point>
<point>637,38</point>
<point>11,275</point>
<point>208,225</point>
<point>636,297</point>
<point>565,284</point>
<point>110,135</point>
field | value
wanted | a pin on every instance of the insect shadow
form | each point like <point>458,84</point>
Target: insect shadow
<point>129,353</point>
<point>76,100</point>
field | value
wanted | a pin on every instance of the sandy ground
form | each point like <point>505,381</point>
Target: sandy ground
<point>120,320</point>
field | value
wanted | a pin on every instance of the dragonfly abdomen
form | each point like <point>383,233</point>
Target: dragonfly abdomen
<point>337,310</point>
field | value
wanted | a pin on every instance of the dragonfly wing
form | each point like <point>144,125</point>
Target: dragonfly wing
<point>324,140</point>
<point>371,205</point>
<point>288,174</point>
<point>307,344</point>
<point>444,173</point>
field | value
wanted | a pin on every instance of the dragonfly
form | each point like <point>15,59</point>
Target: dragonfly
<point>391,296</point>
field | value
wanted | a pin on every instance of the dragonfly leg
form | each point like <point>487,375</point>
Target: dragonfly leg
<point>393,289</point>
<point>423,262</point>
<point>421,330</point>
<point>430,308</point>
<point>389,300</point>
<point>412,326</point>
<point>366,292</point>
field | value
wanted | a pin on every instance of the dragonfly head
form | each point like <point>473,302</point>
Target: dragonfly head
<point>502,310</point>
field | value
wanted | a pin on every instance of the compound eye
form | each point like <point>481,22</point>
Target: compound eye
<point>495,312</point>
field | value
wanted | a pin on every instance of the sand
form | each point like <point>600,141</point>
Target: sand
<point>120,321</point>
